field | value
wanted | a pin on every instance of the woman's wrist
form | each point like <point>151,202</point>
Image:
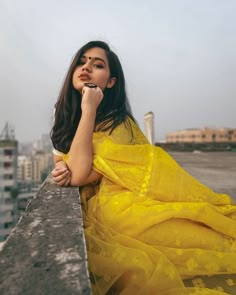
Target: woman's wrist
<point>91,112</point>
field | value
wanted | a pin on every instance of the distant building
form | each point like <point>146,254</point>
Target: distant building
<point>42,144</point>
<point>206,135</point>
<point>8,180</point>
<point>20,175</point>
<point>24,169</point>
<point>42,163</point>
<point>32,168</point>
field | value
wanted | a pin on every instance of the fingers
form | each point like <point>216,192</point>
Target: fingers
<point>61,175</point>
<point>92,90</point>
<point>90,85</point>
<point>59,171</point>
<point>91,98</point>
<point>65,181</point>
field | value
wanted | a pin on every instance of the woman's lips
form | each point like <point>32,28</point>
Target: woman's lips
<point>84,77</point>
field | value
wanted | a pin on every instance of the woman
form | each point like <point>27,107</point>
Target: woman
<point>150,227</point>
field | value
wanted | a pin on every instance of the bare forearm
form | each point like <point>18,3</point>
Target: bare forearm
<point>93,176</point>
<point>81,151</point>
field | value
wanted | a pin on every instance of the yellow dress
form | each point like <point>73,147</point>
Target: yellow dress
<point>151,228</point>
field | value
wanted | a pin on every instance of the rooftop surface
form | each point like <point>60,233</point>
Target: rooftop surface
<point>217,170</point>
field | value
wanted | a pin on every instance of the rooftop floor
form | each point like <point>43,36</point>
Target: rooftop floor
<point>215,169</point>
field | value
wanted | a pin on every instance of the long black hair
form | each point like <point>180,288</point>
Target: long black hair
<point>113,110</point>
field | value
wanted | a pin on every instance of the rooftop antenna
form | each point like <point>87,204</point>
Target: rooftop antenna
<point>8,132</point>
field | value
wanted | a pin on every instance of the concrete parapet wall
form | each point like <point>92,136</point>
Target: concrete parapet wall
<point>46,253</point>
<point>191,146</point>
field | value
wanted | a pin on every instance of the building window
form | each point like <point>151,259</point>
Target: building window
<point>7,164</point>
<point>8,201</point>
<point>8,225</point>
<point>7,188</point>
<point>8,152</point>
<point>8,176</point>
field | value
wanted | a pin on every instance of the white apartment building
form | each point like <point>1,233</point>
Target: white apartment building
<point>30,168</point>
<point>24,169</point>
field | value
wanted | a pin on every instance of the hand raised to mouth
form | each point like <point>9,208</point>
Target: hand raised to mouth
<point>90,85</point>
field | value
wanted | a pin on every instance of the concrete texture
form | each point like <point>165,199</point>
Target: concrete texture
<point>45,254</point>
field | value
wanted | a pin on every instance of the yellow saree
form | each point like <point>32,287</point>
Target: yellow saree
<point>153,229</point>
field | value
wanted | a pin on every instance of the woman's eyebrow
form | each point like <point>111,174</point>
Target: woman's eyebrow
<point>94,58</point>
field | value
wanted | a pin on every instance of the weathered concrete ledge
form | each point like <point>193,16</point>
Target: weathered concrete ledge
<point>46,253</point>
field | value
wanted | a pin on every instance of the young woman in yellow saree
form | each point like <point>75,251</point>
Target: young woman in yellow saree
<point>150,227</point>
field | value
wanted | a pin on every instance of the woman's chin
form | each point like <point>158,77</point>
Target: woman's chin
<point>78,88</point>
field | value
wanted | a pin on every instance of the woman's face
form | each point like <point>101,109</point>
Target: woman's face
<point>93,67</point>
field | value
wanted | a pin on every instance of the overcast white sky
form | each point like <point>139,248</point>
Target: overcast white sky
<point>178,56</point>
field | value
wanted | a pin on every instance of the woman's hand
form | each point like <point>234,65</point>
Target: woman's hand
<point>91,98</point>
<point>61,174</point>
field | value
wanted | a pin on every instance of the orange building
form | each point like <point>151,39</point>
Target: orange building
<point>206,135</point>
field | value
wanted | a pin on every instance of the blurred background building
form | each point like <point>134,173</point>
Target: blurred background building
<point>8,180</point>
<point>23,168</point>
<point>206,135</point>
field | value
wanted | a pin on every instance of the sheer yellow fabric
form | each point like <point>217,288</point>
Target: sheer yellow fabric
<point>150,227</point>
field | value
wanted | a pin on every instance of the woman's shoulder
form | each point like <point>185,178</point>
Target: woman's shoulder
<point>128,132</point>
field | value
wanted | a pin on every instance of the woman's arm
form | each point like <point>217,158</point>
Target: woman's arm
<point>80,155</point>
<point>62,176</point>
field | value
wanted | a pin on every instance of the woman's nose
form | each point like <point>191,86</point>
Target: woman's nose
<point>86,67</point>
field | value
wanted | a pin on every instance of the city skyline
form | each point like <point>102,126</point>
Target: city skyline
<point>178,58</point>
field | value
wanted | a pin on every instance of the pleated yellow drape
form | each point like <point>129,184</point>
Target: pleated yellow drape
<point>150,226</point>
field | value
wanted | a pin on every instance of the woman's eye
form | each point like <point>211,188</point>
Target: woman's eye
<point>80,63</point>
<point>99,66</point>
